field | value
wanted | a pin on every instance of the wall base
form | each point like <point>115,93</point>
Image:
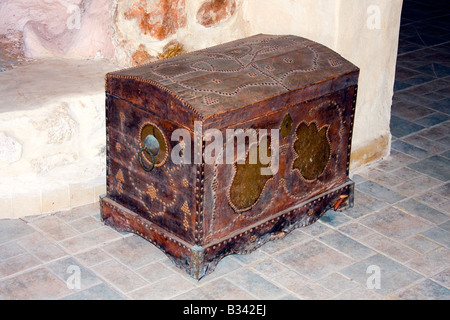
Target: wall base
<point>373,151</point>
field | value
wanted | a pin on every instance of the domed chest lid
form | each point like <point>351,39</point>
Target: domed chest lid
<point>241,72</point>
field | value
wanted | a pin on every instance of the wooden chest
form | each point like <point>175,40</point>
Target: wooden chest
<point>189,165</point>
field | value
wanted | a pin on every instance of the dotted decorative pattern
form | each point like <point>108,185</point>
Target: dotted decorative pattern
<point>252,233</point>
<point>152,200</point>
<point>235,208</point>
<point>296,154</point>
<point>256,235</point>
<point>149,227</point>
<point>281,188</point>
<point>220,79</point>
<point>214,75</point>
<point>334,62</point>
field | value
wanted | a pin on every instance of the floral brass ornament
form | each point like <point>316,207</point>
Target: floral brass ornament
<point>248,182</point>
<point>312,148</point>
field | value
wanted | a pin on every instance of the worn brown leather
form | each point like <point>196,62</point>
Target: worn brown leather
<point>198,213</point>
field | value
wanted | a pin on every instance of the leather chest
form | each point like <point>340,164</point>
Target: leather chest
<point>220,150</point>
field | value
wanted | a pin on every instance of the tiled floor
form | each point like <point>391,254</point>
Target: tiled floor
<point>400,225</point>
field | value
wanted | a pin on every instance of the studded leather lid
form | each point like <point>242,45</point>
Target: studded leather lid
<point>231,75</point>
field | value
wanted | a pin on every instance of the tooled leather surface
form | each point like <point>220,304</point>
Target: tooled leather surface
<point>241,72</point>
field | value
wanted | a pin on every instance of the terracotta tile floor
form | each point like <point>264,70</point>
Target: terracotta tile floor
<point>400,223</point>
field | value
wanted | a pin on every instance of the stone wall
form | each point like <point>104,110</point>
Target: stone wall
<point>147,29</point>
<point>63,28</point>
<point>52,135</point>
<point>122,33</point>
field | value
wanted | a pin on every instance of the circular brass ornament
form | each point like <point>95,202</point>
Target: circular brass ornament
<point>152,138</point>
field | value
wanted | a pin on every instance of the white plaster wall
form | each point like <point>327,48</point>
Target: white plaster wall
<point>313,19</point>
<point>375,52</point>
